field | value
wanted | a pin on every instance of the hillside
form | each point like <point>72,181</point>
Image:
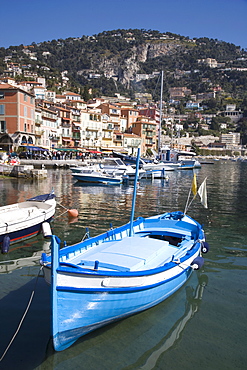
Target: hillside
<point>127,61</point>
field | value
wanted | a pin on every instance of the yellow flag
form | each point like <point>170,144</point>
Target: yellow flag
<point>194,185</point>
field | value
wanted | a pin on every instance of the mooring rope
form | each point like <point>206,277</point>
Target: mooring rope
<point>23,317</point>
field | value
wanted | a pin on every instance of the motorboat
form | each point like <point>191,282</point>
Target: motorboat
<point>25,219</point>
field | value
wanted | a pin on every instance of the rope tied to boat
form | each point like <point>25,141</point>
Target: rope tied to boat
<point>23,316</point>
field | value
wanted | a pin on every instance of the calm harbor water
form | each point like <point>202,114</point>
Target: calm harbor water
<point>203,325</point>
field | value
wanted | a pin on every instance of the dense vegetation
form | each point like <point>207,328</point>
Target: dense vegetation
<point>80,56</point>
<point>117,56</point>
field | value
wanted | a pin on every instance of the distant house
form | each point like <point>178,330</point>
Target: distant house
<point>232,113</point>
<point>193,105</point>
<point>179,92</point>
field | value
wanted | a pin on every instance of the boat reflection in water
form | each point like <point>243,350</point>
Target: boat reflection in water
<point>8,265</point>
<point>138,341</point>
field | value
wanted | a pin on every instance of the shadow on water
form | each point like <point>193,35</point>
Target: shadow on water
<point>27,349</point>
<point>116,346</point>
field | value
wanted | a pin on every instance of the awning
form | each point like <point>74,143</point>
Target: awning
<point>67,150</point>
<point>94,151</point>
<point>29,147</point>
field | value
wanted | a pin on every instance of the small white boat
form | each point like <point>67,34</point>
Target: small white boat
<point>116,166</point>
<point>23,220</point>
<point>112,166</point>
<point>93,174</point>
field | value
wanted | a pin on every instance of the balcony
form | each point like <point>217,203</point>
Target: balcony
<point>76,137</point>
<point>65,125</point>
<point>54,138</point>
<point>38,121</point>
<point>108,127</point>
<point>39,132</point>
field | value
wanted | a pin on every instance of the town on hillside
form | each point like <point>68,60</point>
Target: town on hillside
<point>33,116</point>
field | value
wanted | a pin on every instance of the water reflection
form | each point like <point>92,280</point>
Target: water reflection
<point>142,340</point>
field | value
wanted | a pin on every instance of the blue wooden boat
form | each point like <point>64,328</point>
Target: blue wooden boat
<point>120,272</point>
<point>23,220</point>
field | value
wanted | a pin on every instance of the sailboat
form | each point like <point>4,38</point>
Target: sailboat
<point>169,157</point>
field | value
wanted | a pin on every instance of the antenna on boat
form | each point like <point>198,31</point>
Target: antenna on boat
<point>134,193</point>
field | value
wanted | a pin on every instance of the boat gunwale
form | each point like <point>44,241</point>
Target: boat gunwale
<point>121,289</point>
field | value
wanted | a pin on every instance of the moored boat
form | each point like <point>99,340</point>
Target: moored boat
<point>23,220</point>
<point>120,272</point>
<point>91,174</point>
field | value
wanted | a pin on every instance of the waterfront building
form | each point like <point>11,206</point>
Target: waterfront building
<point>107,132</point>
<point>131,115</point>
<point>145,128</point>
<point>65,124</point>
<point>131,143</point>
<point>17,117</point>
<point>233,138</point>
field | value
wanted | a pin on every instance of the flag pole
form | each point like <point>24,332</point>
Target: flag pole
<point>186,206</point>
<point>190,202</point>
<point>193,189</point>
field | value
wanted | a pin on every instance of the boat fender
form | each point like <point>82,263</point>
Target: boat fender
<point>96,265</point>
<point>5,244</point>
<point>44,258</point>
<point>204,247</point>
<point>46,229</point>
<point>197,263</point>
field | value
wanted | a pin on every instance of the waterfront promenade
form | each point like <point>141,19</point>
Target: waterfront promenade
<point>52,163</point>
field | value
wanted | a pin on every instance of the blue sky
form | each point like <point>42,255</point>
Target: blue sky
<point>24,22</point>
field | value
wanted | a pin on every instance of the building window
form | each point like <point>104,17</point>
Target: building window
<point>25,127</point>
<point>1,94</point>
<point>2,126</point>
<point>25,111</point>
<point>25,97</point>
<point>2,109</point>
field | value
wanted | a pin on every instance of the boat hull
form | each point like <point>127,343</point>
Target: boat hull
<point>119,273</point>
<point>25,233</point>
<point>24,220</point>
<point>88,311</point>
<point>97,180</point>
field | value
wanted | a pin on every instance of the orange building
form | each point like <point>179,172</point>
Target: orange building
<point>145,127</point>
<point>17,117</point>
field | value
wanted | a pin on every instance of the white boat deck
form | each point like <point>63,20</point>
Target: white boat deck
<point>18,214</point>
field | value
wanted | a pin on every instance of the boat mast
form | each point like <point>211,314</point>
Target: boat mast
<point>161,99</point>
<point>134,193</point>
